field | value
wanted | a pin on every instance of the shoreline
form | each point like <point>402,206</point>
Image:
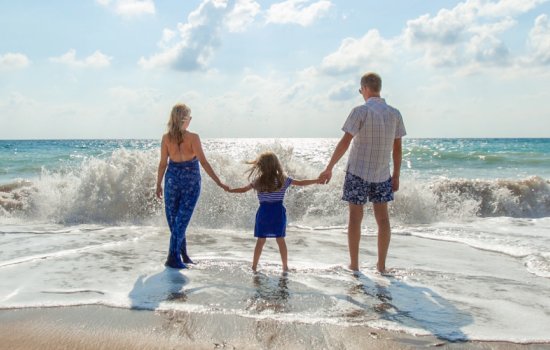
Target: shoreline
<point>103,327</point>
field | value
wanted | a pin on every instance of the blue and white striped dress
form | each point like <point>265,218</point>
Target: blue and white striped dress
<point>271,215</point>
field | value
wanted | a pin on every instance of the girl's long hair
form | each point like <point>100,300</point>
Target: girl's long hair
<point>176,129</point>
<point>266,173</point>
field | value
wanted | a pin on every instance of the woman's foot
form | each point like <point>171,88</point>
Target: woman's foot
<point>174,263</point>
<point>187,259</point>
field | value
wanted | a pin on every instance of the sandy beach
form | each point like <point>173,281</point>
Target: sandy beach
<point>99,327</point>
<point>469,257</point>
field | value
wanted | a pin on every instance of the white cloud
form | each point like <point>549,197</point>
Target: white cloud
<point>353,54</point>
<point>201,35</point>
<point>16,100</point>
<point>344,92</point>
<point>95,60</point>
<point>297,11</point>
<point>487,49</point>
<point>134,101</point>
<point>12,61</point>
<point>539,40</point>
<point>242,15</point>
<point>505,7</point>
<point>129,8</point>
<point>167,36</point>
<point>468,34</point>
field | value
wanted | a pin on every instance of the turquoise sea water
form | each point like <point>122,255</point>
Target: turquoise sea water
<point>79,224</point>
<point>468,158</point>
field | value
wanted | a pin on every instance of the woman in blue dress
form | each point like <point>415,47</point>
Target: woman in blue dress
<point>270,182</point>
<point>180,154</point>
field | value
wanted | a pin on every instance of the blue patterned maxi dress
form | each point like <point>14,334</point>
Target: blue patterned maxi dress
<point>182,187</point>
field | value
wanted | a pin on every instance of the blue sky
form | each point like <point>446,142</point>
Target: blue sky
<point>282,68</point>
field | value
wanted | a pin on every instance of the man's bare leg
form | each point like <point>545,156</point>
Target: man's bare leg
<point>354,234</point>
<point>384,233</point>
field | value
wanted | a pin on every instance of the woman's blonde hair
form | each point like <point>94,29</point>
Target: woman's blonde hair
<point>176,130</point>
<point>266,173</point>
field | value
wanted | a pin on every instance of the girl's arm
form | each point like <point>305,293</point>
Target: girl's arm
<point>197,148</point>
<point>162,165</point>
<point>240,189</point>
<point>305,182</point>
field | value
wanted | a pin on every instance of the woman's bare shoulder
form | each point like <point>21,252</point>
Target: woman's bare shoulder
<point>192,135</point>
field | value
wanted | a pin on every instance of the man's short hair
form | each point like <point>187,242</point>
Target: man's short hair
<point>372,81</point>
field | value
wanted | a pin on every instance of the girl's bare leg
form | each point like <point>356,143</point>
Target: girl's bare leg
<point>282,249</point>
<point>257,252</point>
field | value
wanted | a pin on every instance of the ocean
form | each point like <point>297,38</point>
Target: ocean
<point>470,251</point>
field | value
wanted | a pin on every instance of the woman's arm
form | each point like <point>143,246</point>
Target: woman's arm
<point>240,189</point>
<point>197,148</point>
<point>305,182</point>
<point>162,165</point>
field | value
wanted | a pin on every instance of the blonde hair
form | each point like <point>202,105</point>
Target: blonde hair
<point>266,173</point>
<point>180,114</point>
<point>372,81</point>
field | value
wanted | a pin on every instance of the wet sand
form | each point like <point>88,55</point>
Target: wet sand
<point>100,327</point>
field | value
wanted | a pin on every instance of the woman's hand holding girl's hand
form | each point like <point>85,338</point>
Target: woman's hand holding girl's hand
<point>224,186</point>
<point>159,191</point>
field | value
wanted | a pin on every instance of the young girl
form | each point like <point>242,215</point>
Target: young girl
<point>270,182</point>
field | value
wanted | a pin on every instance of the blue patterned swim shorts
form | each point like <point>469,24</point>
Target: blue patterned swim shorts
<point>359,191</point>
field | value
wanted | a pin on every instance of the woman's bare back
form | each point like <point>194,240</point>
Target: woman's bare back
<point>180,152</point>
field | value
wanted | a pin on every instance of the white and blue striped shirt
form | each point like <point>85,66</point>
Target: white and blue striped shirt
<point>274,196</point>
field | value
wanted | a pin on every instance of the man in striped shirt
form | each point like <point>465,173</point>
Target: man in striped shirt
<point>376,130</point>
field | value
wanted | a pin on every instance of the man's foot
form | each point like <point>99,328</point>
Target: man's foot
<point>383,271</point>
<point>353,268</point>
<point>255,268</point>
<point>285,269</point>
<point>174,263</point>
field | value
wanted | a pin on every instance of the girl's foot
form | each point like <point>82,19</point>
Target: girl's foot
<point>254,268</point>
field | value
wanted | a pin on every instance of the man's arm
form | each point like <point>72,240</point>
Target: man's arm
<point>397,155</point>
<point>338,153</point>
<point>305,182</point>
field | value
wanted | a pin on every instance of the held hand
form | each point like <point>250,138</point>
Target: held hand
<point>325,176</point>
<point>395,183</point>
<point>224,186</point>
<point>159,192</point>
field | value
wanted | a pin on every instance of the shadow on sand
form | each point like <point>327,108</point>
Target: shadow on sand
<point>150,290</point>
<point>270,293</point>
<point>411,306</point>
